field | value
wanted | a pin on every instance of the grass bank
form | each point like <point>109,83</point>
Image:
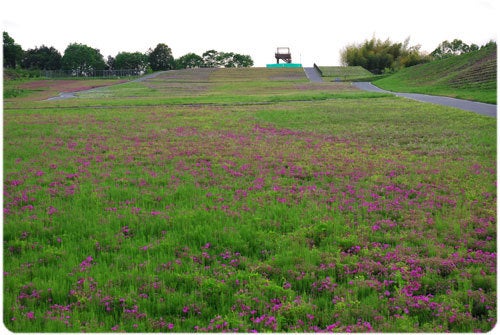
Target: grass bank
<point>471,76</point>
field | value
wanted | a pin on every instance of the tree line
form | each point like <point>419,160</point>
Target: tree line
<point>379,56</point>
<point>81,59</point>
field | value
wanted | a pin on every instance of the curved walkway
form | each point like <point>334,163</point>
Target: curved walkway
<point>70,95</point>
<point>472,106</point>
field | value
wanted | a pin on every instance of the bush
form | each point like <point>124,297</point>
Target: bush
<point>379,56</point>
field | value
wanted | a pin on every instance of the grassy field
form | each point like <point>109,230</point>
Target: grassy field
<point>246,200</point>
<point>471,76</point>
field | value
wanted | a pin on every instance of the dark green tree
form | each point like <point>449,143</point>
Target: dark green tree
<point>12,52</point>
<point>131,61</point>
<point>42,58</point>
<point>189,61</point>
<point>161,59</point>
<point>82,60</point>
<point>242,60</point>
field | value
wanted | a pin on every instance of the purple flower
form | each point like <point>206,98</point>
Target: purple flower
<point>51,210</point>
<point>16,182</point>
<point>87,263</point>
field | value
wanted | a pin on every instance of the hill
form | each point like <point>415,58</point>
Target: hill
<point>471,76</point>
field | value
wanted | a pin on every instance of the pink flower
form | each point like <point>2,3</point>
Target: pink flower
<point>30,315</point>
<point>51,210</point>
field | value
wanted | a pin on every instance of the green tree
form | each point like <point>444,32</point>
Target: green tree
<point>454,48</point>
<point>42,58</point>
<point>161,58</point>
<point>211,58</point>
<point>12,52</point>
<point>242,60</point>
<point>82,60</point>
<point>189,61</point>
<point>131,61</point>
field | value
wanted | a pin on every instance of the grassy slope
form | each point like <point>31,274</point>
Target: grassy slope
<point>331,73</point>
<point>471,76</point>
<point>240,211</point>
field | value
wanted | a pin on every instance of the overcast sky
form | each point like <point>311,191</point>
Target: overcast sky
<point>315,30</point>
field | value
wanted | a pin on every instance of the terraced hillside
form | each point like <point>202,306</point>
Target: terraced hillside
<point>471,76</point>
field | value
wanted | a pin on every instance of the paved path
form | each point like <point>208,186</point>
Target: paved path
<point>472,106</point>
<point>313,75</point>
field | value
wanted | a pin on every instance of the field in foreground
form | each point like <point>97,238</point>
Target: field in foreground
<point>247,200</point>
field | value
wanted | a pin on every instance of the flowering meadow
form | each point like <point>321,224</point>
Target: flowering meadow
<point>247,200</point>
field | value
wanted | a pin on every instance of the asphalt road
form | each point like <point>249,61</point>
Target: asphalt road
<point>313,75</point>
<point>472,106</point>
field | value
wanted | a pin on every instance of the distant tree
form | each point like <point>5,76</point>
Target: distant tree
<point>226,59</point>
<point>380,56</point>
<point>211,58</point>
<point>131,61</point>
<point>454,48</point>
<point>189,61</point>
<point>161,58</point>
<point>42,58</point>
<point>12,52</point>
<point>82,59</point>
<point>242,60</point>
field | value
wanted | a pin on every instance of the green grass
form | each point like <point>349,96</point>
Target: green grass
<point>247,199</point>
<point>345,73</point>
<point>471,76</point>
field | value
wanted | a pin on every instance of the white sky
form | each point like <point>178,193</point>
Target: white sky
<point>315,30</point>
